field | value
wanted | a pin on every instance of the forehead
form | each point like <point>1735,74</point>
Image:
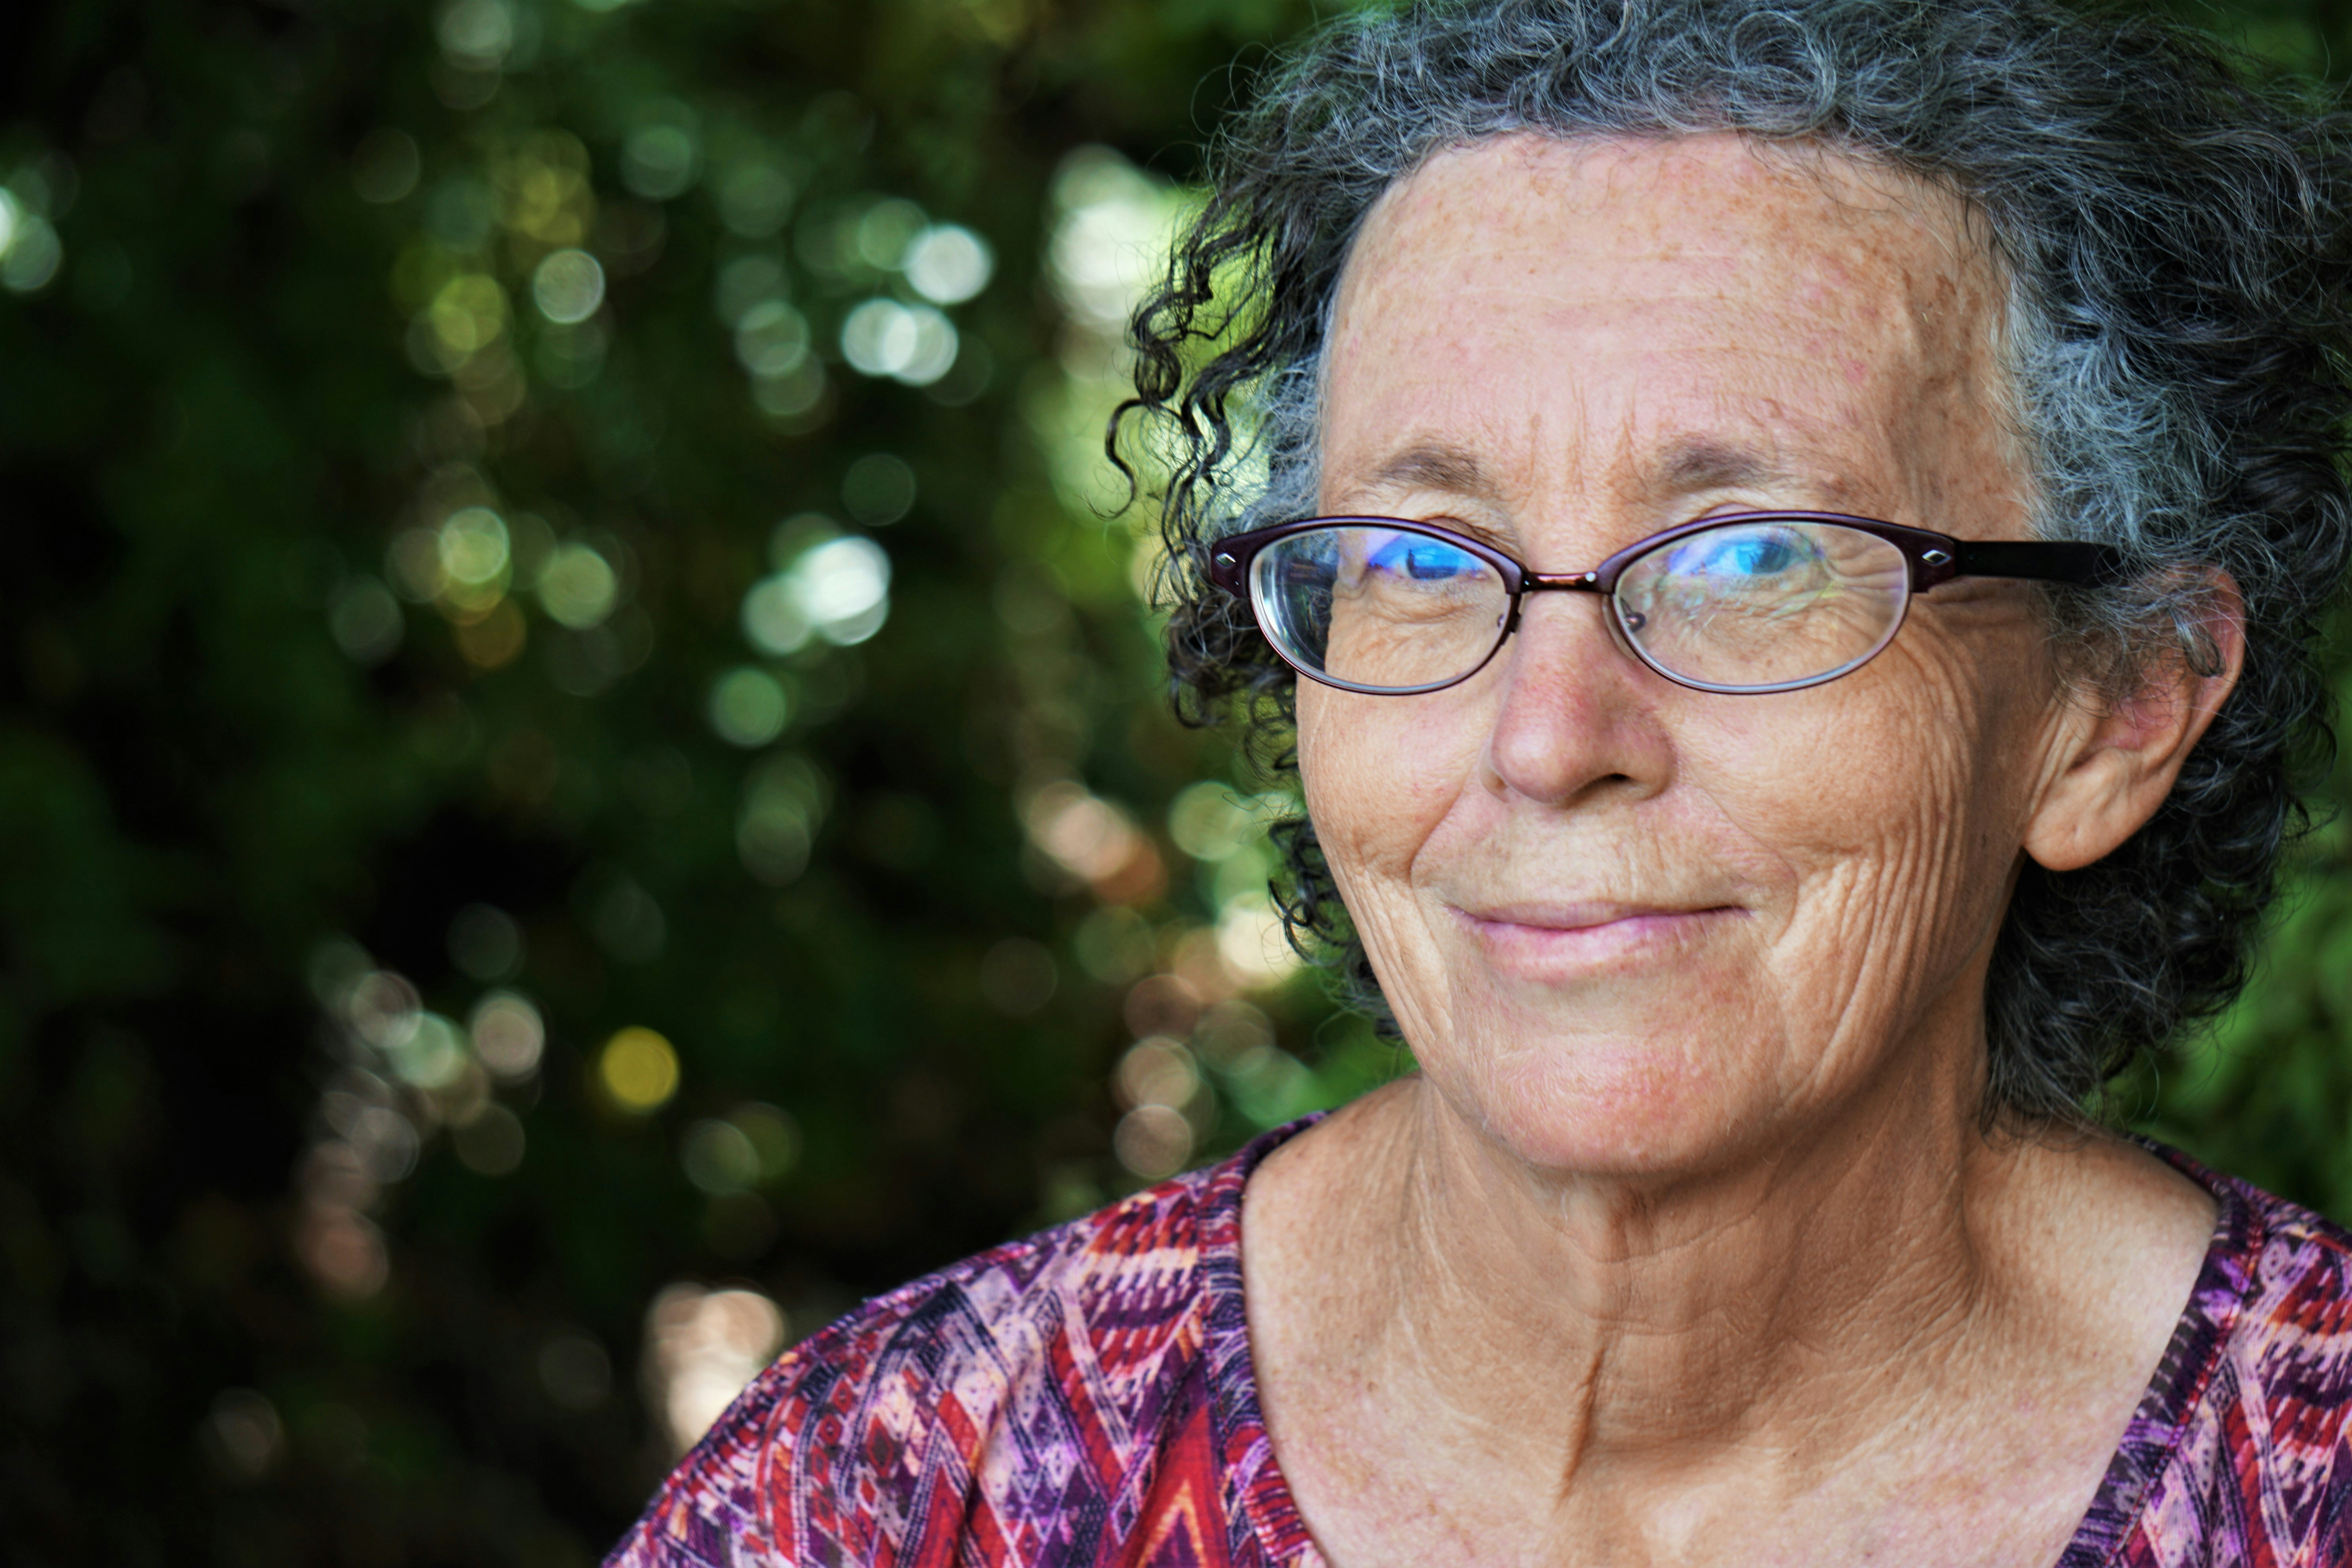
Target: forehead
<point>1614,306</point>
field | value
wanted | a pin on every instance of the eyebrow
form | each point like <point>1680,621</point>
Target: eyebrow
<point>1435,466</point>
<point>1702,464</point>
<point>1689,465</point>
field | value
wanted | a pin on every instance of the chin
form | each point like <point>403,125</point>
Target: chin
<point>1607,1106</point>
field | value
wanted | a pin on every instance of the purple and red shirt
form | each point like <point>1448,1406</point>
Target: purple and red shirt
<point>1086,1397</point>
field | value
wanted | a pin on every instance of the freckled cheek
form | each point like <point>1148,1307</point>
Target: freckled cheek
<point>1847,797</point>
<point>1381,774</point>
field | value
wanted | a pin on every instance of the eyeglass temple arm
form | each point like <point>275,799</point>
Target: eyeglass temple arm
<point>2089,565</point>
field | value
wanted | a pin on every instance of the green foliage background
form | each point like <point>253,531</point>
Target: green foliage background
<point>228,789</point>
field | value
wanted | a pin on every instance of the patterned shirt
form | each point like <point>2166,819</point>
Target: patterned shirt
<point>1086,1397</point>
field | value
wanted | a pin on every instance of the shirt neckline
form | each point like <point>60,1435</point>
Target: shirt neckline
<point>1263,1520</point>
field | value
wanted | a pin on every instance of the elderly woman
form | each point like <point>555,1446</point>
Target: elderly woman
<point>1800,524</point>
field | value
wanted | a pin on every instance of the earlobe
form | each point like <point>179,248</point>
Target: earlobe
<point>2122,763</point>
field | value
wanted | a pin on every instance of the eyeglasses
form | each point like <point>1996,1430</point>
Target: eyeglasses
<point>1748,602</point>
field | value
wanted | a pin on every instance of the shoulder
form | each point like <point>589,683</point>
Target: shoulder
<point>2257,1390</point>
<point>879,1430</point>
<point>2289,1352</point>
<point>2289,1275</point>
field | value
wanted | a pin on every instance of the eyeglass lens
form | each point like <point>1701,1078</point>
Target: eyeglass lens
<point>1757,603</point>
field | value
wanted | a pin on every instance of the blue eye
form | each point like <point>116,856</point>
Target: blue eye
<point>1437,561</point>
<point>1743,552</point>
<point>1423,560</point>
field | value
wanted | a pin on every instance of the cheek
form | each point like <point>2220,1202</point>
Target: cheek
<point>1891,814</point>
<point>1380,774</point>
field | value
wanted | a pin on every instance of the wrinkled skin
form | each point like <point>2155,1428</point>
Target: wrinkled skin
<point>1685,1244</point>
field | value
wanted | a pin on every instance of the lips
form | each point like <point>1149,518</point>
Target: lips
<point>1546,937</point>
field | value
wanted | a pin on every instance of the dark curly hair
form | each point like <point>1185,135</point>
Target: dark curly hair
<point>2174,234</point>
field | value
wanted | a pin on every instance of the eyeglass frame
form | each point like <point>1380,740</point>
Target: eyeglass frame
<point>1933,558</point>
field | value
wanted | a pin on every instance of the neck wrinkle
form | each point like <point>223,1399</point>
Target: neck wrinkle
<point>1663,1323</point>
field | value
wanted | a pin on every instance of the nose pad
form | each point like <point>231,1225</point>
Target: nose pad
<point>1621,625</point>
<point>1605,603</point>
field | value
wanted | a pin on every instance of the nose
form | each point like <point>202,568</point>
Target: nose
<point>1575,717</point>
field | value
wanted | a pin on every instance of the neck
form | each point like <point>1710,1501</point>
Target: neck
<point>1883,1326</point>
<point>1793,1290</point>
<point>1681,1312</point>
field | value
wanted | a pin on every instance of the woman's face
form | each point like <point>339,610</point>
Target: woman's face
<point>1628,926</point>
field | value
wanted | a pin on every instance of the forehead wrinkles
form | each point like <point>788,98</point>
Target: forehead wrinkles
<point>1900,272</point>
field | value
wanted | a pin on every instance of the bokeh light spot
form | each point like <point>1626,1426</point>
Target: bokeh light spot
<point>484,942</point>
<point>719,1157</point>
<point>509,1034</point>
<point>1231,1031</point>
<point>754,199</point>
<point>1114,944</point>
<point>885,231</point>
<point>748,707</point>
<point>496,640</point>
<point>638,1068</point>
<point>798,534</point>
<point>949,264</point>
<point>477,34</point>
<point>1270,1085</point>
<point>473,551</point>
<point>469,314</point>
<point>431,1056</point>
<point>660,161</point>
<point>365,621</point>
<point>1161,1005</point>
<point>772,339</point>
<point>842,587</point>
<point>413,561</point>
<point>1092,839</point>
<point>541,180</point>
<point>577,586</point>
<point>1153,1141</point>
<point>492,641</point>
<point>781,802</point>
<point>1112,239</point>
<point>30,251</point>
<point>243,1433</point>
<point>775,1136</point>
<point>1251,941</point>
<point>344,1251</point>
<point>1158,1071</point>
<point>796,398</point>
<point>1212,821</point>
<point>703,1348</point>
<point>382,1008</point>
<point>879,489</point>
<point>911,343</point>
<point>568,287</point>
<point>771,616</point>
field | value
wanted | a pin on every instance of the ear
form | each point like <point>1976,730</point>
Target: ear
<point>2122,763</point>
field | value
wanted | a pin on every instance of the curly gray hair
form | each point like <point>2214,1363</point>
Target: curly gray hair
<point>2176,243</point>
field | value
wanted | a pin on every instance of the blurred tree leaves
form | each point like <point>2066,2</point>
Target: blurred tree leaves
<point>571,731</point>
<point>573,736</point>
